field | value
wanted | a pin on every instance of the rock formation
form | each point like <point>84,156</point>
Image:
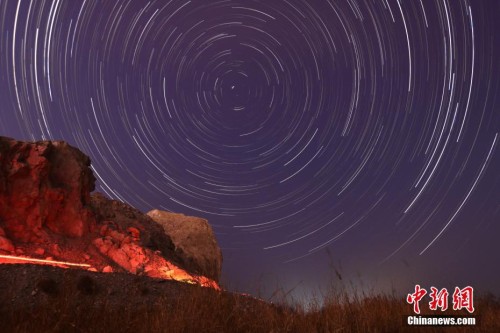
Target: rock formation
<point>47,213</point>
<point>194,242</point>
<point>124,224</point>
<point>44,185</point>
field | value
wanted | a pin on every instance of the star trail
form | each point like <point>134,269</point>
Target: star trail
<point>368,130</point>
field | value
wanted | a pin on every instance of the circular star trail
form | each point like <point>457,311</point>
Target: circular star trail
<point>367,128</point>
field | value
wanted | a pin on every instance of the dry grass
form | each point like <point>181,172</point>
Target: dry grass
<point>202,310</point>
<point>79,302</point>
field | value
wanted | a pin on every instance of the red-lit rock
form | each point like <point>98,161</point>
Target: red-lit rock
<point>55,249</point>
<point>134,232</point>
<point>46,209</point>
<point>40,251</point>
<point>103,244</point>
<point>122,220</point>
<point>44,185</point>
<point>6,245</point>
<point>121,258</point>
<point>194,242</point>
<point>107,269</point>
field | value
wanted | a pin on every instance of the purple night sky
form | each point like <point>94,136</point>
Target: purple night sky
<point>359,134</point>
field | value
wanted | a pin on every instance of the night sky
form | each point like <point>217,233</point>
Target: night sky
<point>360,135</point>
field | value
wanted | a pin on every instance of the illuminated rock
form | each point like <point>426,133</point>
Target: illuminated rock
<point>6,245</point>
<point>40,251</point>
<point>125,224</point>
<point>47,210</point>
<point>107,269</point>
<point>44,185</point>
<point>194,242</point>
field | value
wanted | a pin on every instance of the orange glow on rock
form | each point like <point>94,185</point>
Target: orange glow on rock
<point>166,270</point>
<point>17,259</point>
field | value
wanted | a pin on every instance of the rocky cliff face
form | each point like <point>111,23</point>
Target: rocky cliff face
<point>44,186</point>
<point>47,212</point>
<point>193,240</point>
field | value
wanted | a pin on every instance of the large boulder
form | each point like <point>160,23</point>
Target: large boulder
<point>44,185</point>
<point>194,242</point>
